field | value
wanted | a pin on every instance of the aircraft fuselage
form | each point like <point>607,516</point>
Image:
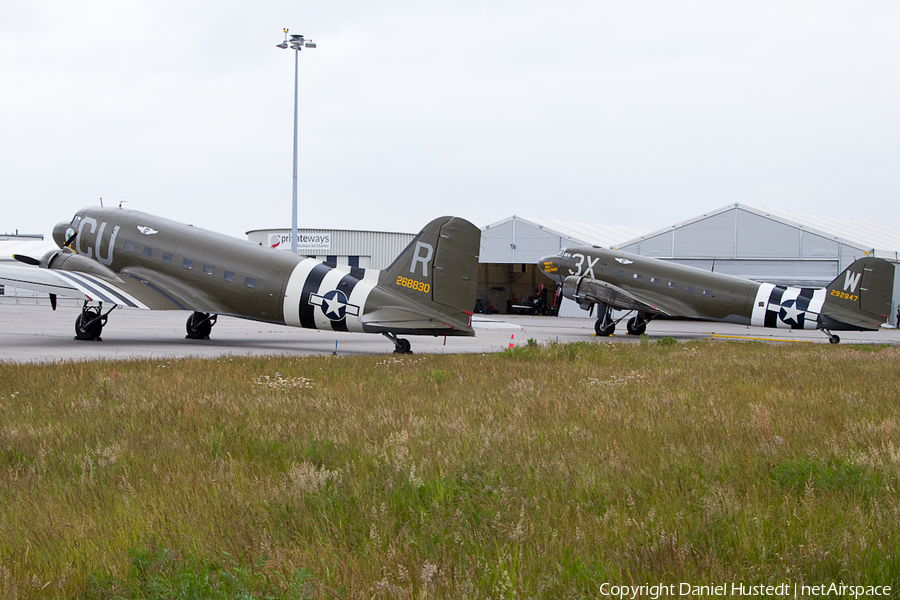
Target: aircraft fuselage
<point>666,288</point>
<point>161,264</point>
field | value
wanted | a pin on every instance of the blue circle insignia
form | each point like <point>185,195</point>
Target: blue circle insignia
<point>334,305</point>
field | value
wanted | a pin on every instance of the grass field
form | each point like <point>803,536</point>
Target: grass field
<point>543,472</point>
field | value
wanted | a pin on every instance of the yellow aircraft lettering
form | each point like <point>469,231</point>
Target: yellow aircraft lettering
<point>413,284</point>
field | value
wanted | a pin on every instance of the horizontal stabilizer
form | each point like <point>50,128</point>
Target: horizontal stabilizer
<point>399,319</point>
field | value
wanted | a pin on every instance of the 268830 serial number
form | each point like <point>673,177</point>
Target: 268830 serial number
<point>413,284</point>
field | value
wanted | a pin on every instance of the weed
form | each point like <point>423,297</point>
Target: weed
<point>539,472</point>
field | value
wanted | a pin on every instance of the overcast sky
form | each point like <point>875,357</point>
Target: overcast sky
<point>638,113</point>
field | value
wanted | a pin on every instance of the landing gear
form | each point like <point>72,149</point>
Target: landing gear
<point>199,324</point>
<point>604,326</point>
<point>637,325</point>
<point>90,322</point>
<point>832,339</point>
<point>401,346</point>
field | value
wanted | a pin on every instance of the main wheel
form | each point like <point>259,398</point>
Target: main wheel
<point>403,347</point>
<point>636,327</point>
<point>604,331</point>
<point>88,325</point>
<point>198,326</point>
<point>834,339</point>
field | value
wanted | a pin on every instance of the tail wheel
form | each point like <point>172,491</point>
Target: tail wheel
<point>198,326</point>
<point>88,325</point>
<point>833,339</point>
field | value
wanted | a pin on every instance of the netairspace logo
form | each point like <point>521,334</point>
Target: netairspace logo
<point>783,590</point>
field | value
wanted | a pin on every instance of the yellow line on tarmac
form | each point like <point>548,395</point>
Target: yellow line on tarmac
<point>740,337</point>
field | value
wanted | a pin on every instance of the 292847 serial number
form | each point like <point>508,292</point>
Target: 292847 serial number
<point>844,295</point>
<point>413,284</point>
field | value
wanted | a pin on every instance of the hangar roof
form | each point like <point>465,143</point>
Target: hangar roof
<point>867,234</point>
<point>581,233</point>
<point>883,239</point>
<point>32,246</point>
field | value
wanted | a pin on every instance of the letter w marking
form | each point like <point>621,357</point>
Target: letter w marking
<point>851,280</point>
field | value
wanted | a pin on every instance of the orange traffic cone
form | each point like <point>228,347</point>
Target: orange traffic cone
<point>512,343</point>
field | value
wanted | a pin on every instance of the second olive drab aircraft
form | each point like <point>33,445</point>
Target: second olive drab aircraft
<point>113,257</point>
<point>859,299</point>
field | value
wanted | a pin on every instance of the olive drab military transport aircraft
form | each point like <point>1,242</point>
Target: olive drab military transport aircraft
<point>859,299</point>
<point>112,257</point>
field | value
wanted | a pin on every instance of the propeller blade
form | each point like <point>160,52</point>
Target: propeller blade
<point>53,301</point>
<point>26,259</point>
<point>70,240</point>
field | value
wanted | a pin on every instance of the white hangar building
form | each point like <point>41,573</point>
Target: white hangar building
<point>365,249</point>
<point>34,246</point>
<point>764,245</point>
<point>511,248</point>
<point>769,245</point>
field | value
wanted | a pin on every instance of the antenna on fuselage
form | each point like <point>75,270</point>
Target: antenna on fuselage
<point>101,202</point>
<point>121,202</point>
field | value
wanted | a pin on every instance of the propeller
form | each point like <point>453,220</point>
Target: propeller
<point>70,240</point>
<point>36,263</point>
<point>27,260</point>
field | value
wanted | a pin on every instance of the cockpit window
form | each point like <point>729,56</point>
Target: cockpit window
<point>564,253</point>
<point>76,220</point>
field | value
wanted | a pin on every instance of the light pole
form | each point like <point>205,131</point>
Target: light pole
<point>296,43</point>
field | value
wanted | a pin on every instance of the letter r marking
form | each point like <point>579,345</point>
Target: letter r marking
<point>418,258</point>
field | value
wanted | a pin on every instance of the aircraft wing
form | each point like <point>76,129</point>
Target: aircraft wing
<point>68,284</point>
<point>601,292</point>
<point>397,319</point>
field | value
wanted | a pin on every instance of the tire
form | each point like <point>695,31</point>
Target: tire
<point>635,328</point>
<point>403,347</point>
<point>198,326</point>
<point>86,327</point>
<point>600,331</point>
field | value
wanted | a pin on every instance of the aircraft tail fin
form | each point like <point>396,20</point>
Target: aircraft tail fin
<point>439,266</point>
<point>861,297</point>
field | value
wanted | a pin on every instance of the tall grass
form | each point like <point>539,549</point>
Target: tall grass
<point>542,472</point>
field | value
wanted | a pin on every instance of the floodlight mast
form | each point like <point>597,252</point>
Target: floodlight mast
<point>296,43</point>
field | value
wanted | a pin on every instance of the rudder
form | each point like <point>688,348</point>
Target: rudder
<point>861,297</point>
<point>439,265</point>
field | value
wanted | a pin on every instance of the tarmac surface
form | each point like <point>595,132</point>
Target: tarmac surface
<point>31,332</point>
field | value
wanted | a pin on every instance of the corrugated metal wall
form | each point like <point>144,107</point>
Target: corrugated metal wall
<point>517,242</point>
<point>376,249</point>
<point>738,242</point>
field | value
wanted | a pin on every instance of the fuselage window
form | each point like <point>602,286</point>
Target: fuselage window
<point>672,285</point>
<point>654,280</point>
<point>148,251</point>
<point>637,276</point>
<point>167,257</point>
<point>250,282</point>
<point>229,276</point>
<point>689,289</point>
<point>188,263</point>
<point>207,269</point>
<point>620,273</point>
<point>129,247</point>
<point>707,293</point>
